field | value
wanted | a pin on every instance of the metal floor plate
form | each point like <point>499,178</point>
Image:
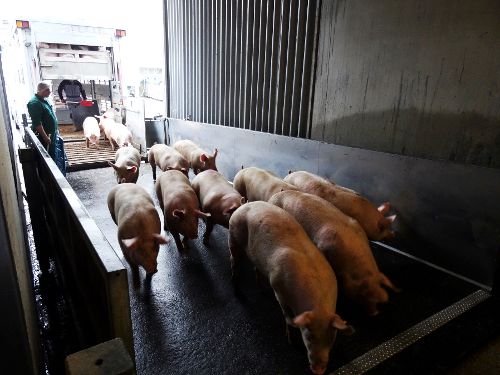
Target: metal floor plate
<point>401,341</point>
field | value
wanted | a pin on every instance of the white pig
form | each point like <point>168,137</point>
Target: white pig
<point>373,220</point>
<point>166,158</point>
<point>197,158</point>
<point>303,281</point>
<point>91,131</point>
<point>180,206</point>
<point>217,197</point>
<point>139,226</point>
<point>257,184</point>
<point>120,136</point>
<point>344,243</point>
<point>126,165</point>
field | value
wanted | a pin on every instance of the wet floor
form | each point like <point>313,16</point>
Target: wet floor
<point>187,320</point>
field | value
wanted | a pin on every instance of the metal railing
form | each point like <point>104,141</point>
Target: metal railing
<point>93,276</point>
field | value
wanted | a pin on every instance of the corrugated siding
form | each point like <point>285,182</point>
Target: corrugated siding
<point>243,63</point>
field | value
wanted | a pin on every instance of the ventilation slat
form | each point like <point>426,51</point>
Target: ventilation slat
<point>243,63</point>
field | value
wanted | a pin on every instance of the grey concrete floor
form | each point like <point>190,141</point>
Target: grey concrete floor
<point>187,319</point>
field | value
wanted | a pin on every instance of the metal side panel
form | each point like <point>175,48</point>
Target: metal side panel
<point>93,275</point>
<point>447,213</point>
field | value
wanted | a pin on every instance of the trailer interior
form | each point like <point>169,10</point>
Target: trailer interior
<point>398,102</point>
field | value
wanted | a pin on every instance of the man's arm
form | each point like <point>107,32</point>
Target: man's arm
<point>43,135</point>
<point>60,89</point>
<point>35,111</point>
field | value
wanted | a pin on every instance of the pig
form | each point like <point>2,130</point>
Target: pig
<point>345,245</point>
<point>91,131</point>
<point>180,206</point>
<point>217,197</point>
<point>139,226</point>
<point>120,136</point>
<point>106,124</point>
<point>166,158</point>
<point>303,282</point>
<point>257,184</point>
<point>126,165</point>
<point>371,219</point>
<point>198,159</point>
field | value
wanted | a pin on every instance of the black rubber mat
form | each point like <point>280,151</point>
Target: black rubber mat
<point>187,320</point>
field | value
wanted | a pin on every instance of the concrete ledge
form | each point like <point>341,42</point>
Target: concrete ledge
<point>110,357</point>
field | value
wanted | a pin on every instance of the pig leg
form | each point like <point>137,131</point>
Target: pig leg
<point>178,241</point>
<point>235,255</point>
<point>134,268</point>
<point>288,320</point>
<point>153,167</point>
<point>209,228</point>
<point>384,280</point>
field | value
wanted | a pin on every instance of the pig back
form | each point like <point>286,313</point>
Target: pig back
<point>130,204</point>
<point>188,149</point>
<point>338,236</point>
<point>257,184</point>
<point>173,187</point>
<point>209,184</point>
<point>271,234</point>
<point>128,156</point>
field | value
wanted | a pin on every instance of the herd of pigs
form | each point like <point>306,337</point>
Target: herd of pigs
<point>304,234</point>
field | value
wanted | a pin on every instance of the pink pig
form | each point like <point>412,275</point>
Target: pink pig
<point>217,197</point>
<point>180,206</point>
<point>343,242</point>
<point>166,158</point>
<point>303,281</point>
<point>139,226</point>
<point>198,159</point>
<point>257,184</point>
<point>373,221</point>
<point>126,165</point>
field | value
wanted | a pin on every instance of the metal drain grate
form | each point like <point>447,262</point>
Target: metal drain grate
<point>399,342</point>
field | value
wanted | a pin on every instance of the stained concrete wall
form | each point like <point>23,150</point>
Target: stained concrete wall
<point>414,77</point>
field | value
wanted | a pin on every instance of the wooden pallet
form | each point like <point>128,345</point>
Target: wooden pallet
<point>81,157</point>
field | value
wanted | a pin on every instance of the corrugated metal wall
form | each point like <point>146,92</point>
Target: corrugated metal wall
<point>243,63</point>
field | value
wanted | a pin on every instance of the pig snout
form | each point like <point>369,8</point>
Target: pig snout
<point>318,369</point>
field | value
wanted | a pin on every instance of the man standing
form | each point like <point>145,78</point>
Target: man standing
<point>44,124</point>
<point>43,118</point>
<point>73,90</point>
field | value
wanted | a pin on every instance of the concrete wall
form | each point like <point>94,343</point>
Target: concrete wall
<point>415,77</point>
<point>19,347</point>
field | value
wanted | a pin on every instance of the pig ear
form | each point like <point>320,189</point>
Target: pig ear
<point>303,319</point>
<point>113,165</point>
<point>179,214</point>
<point>202,214</point>
<point>384,208</point>
<point>132,168</point>
<point>203,158</point>
<point>231,209</point>
<point>131,243</point>
<point>342,326</point>
<point>160,239</point>
<point>391,218</point>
